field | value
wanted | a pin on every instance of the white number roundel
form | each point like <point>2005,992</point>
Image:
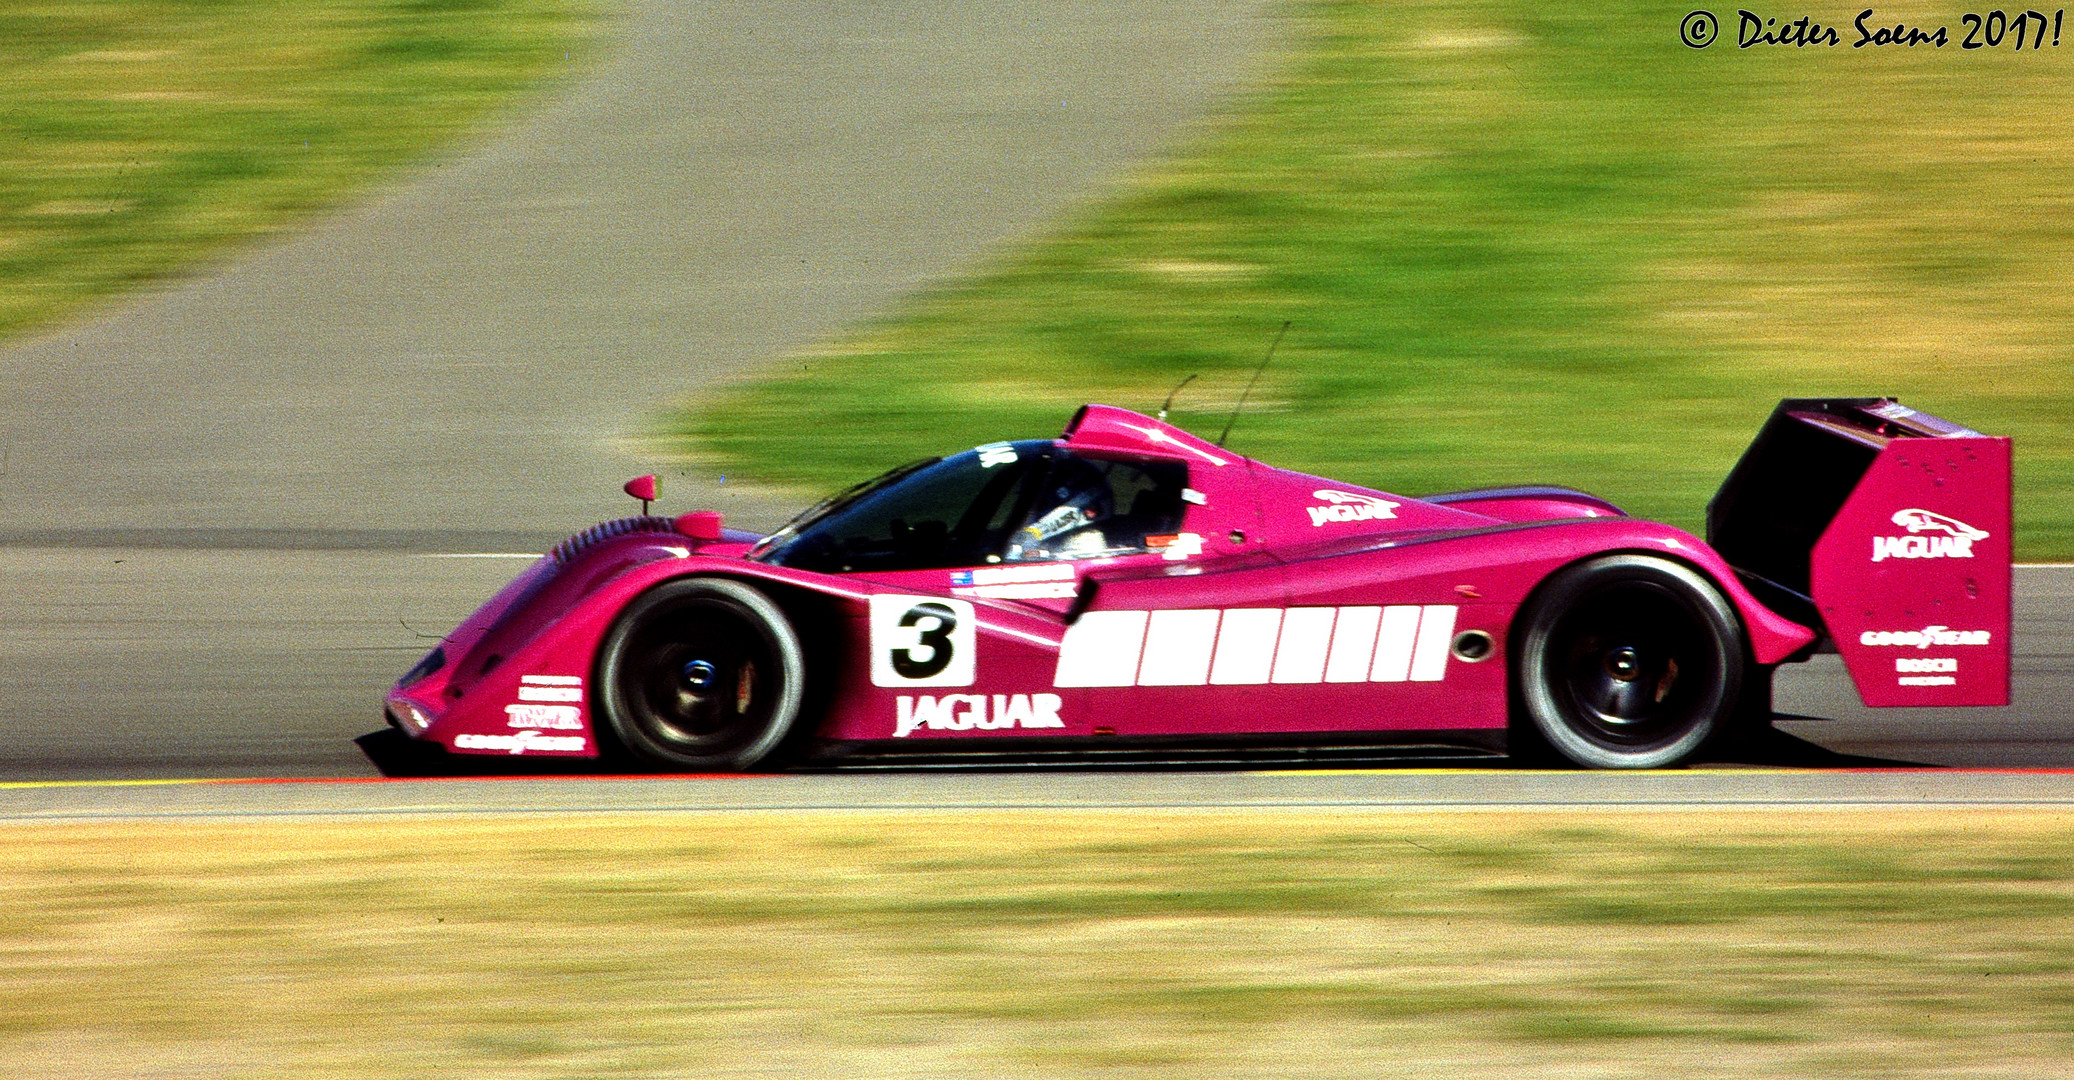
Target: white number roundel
<point>921,641</point>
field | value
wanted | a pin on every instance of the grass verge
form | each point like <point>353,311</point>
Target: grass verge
<point>1759,944</point>
<point>137,138</point>
<point>1518,242</point>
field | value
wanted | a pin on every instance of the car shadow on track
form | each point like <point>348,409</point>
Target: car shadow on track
<point>1771,748</point>
<point>397,755</point>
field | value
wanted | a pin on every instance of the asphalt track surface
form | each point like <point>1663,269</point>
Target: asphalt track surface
<point>233,510</point>
<point>1327,791</point>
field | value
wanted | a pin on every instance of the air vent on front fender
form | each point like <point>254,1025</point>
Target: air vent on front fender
<point>597,534</point>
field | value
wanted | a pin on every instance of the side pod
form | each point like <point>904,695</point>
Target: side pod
<point>1888,529</point>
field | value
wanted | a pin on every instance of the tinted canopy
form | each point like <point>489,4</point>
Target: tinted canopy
<point>1005,502</point>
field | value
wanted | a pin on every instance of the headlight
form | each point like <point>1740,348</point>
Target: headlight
<point>406,714</point>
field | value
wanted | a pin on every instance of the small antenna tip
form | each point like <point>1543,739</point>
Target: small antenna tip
<point>1162,418</point>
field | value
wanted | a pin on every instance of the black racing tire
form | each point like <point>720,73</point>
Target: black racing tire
<point>1628,662</point>
<point>701,673</point>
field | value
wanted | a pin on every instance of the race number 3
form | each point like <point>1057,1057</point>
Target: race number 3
<point>920,641</point>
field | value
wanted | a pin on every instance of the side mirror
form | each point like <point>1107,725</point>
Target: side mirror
<point>642,488</point>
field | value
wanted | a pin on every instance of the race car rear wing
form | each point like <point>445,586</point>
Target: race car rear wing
<point>1887,529</point>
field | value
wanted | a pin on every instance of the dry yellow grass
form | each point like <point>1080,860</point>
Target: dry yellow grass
<point>1763,943</point>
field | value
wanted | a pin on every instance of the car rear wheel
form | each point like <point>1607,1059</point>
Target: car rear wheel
<point>702,673</point>
<point>1628,662</point>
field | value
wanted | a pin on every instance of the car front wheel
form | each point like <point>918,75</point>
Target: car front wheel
<point>1628,662</point>
<point>701,673</point>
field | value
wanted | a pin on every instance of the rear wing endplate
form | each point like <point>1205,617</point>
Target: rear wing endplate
<point>1886,528</point>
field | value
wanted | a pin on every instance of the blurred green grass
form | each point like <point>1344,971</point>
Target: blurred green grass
<point>1518,242</point>
<point>1764,943</point>
<point>138,138</point>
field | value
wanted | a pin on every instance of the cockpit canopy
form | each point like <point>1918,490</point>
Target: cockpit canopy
<point>1010,502</point>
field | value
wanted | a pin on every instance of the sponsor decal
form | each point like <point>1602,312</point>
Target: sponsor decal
<point>1181,546</point>
<point>1042,581</point>
<point>1917,521</point>
<point>993,454</point>
<point>925,641</point>
<point>1930,536</point>
<point>550,688</point>
<point>554,717</point>
<point>522,742</point>
<point>1253,646</point>
<point>1915,671</point>
<point>1925,638</point>
<point>975,712</point>
<point>1010,575</point>
<point>1347,506</point>
<point>1035,590</point>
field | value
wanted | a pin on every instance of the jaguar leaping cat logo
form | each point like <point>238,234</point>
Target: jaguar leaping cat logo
<point>1916,521</point>
<point>1347,506</point>
<point>1949,538</point>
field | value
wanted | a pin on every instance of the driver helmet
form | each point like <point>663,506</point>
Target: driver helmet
<point>1079,496</point>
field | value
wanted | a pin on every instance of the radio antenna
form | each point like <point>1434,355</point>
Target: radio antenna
<point>1170,397</point>
<point>1249,383</point>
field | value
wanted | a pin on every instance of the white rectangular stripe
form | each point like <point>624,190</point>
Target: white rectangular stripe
<point>1353,643</point>
<point>1101,649</point>
<point>551,680</point>
<point>1306,634</point>
<point>1178,646</point>
<point>1436,632</point>
<point>1393,643</point>
<point>1245,646</point>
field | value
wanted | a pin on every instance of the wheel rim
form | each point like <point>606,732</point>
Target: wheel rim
<point>698,677</point>
<point>1632,665</point>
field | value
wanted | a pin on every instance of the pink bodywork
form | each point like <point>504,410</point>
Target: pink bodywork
<point>1312,606</point>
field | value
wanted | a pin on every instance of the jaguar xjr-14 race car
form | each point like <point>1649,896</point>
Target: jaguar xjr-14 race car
<point>1131,586</point>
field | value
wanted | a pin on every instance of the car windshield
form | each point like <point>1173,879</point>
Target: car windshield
<point>835,503</point>
<point>939,512</point>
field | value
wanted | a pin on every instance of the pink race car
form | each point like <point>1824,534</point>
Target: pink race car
<point>1130,589</point>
